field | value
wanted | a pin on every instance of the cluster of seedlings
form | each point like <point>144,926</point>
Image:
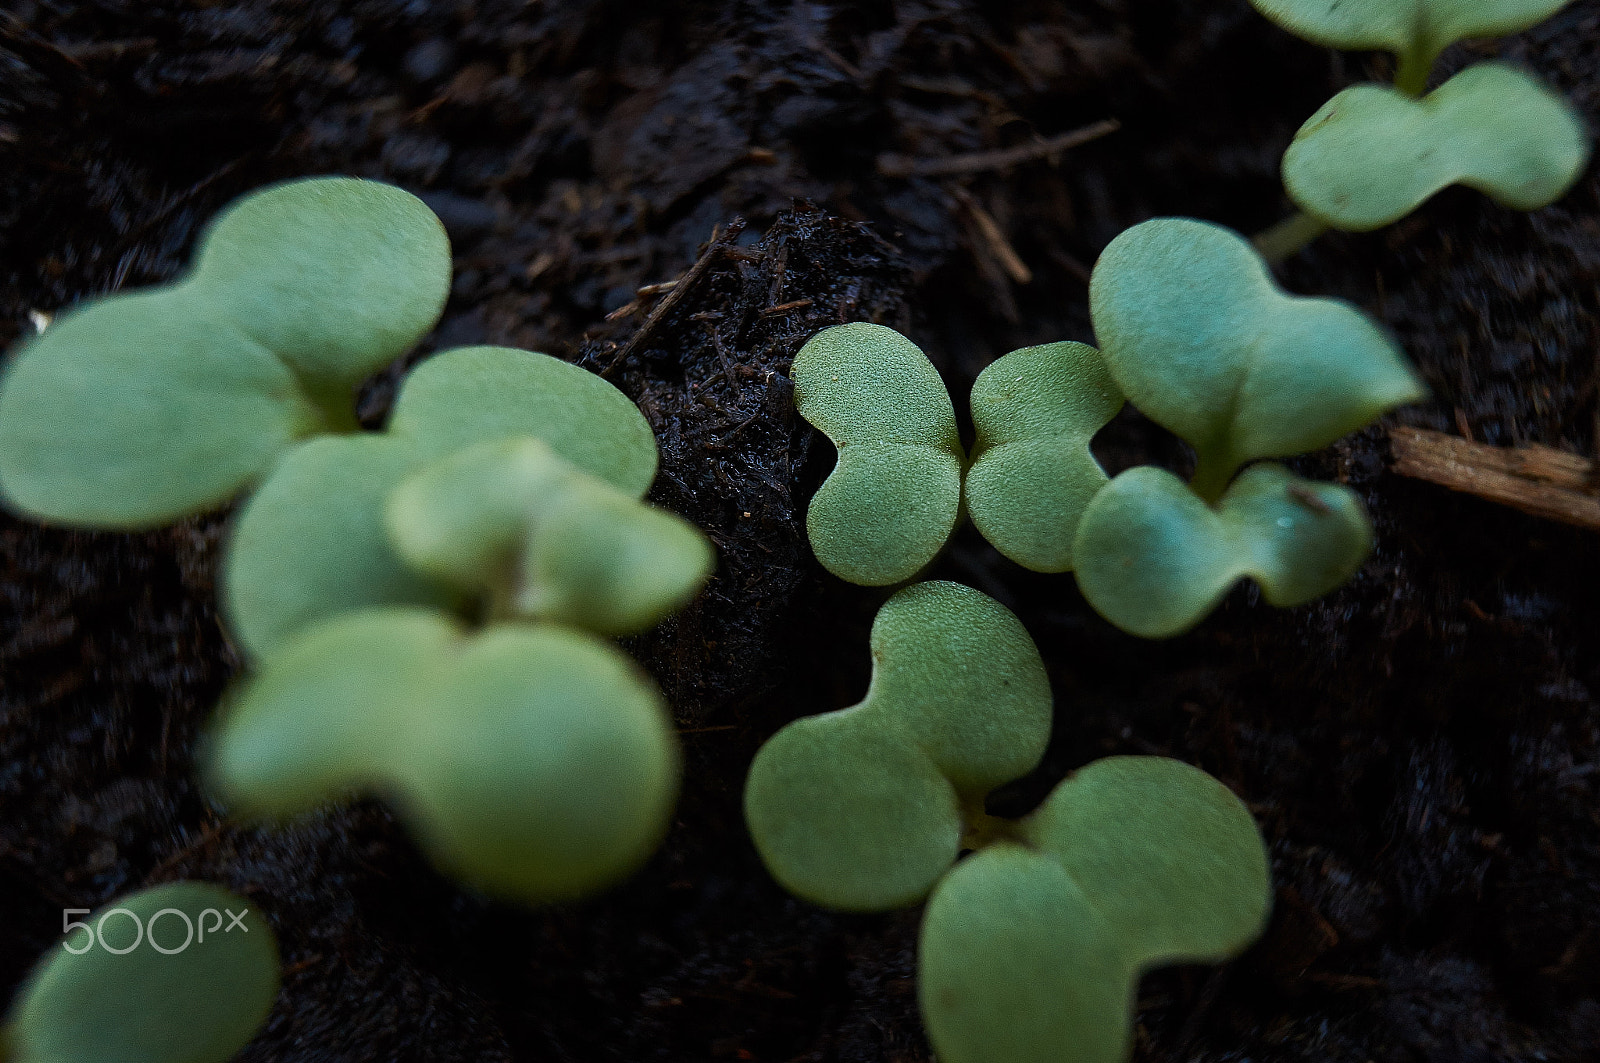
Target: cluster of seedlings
<point>426,611</point>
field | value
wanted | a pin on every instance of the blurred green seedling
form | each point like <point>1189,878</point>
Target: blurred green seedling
<point>533,760</point>
<point>181,973</point>
<point>141,408</point>
<point>896,493</point>
<point>1202,341</point>
<point>1373,154</point>
<point>321,536</point>
<point>1031,948</point>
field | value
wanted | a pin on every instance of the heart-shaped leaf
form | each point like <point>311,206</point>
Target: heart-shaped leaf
<point>1372,155</point>
<point>511,519</point>
<point>1032,473</point>
<point>138,409</point>
<point>312,541</point>
<point>1201,340</point>
<point>186,971</point>
<point>1031,952</point>
<point>895,494</point>
<point>1154,559</point>
<point>533,760</point>
<point>864,808</point>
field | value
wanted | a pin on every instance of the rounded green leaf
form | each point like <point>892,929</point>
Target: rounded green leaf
<point>511,519</point>
<point>133,411</point>
<point>1372,155</point>
<point>895,494</point>
<point>1171,859</point>
<point>862,808</point>
<point>181,973</point>
<point>1154,559</point>
<point>1017,965</point>
<point>1425,27</point>
<point>337,276</point>
<point>535,761</point>
<point>1032,473</point>
<point>1200,339</point>
<point>138,409</point>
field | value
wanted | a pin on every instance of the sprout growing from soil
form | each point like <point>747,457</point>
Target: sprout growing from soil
<point>185,971</point>
<point>1031,948</point>
<point>1241,371</point>
<point>533,760</point>
<point>145,407</point>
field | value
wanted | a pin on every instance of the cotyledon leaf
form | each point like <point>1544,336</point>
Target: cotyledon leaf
<point>137,409</point>
<point>1200,339</point>
<point>1154,559</point>
<point>312,541</point>
<point>863,808</point>
<point>1032,474</point>
<point>895,494</point>
<point>1372,155</point>
<point>533,760</point>
<point>179,973</point>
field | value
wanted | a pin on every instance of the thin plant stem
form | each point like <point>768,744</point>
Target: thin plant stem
<point>1289,237</point>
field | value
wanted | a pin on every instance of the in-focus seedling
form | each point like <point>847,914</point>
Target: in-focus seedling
<point>1032,947</point>
<point>145,407</point>
<point>185,971</point>
<point>536,761</point>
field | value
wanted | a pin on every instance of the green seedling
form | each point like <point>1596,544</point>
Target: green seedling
<point>1031,948</point>
<point>145,407</point>
<point>535,761</point>
<point>312,541</point>
<point>1241,371</point>
<point>181,973</point>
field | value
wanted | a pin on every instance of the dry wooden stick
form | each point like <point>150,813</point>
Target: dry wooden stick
<point>1539,480</point>
<point>891,165</point>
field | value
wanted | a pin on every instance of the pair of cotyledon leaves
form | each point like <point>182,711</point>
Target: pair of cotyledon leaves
<point>1032,947</point>
<point>181,973</point>
<point>1193,331</point>
<point>1373,154</point>
<point>506,483</point>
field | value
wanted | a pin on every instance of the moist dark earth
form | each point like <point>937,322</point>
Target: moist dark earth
<point>1420,747</point>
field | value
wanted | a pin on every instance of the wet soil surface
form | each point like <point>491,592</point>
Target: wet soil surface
<point>1420,747</point>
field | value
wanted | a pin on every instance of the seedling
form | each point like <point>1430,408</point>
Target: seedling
<point>1373,154</point>
<point>185,971</point>
<point>145,407</point>
<point>1032,947</point>
<point>533,760</point>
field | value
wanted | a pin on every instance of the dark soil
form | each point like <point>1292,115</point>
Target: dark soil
<point>1420,747</point>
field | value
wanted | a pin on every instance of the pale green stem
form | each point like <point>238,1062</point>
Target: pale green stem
<point>1415,66</point>
<point>980,830</point>
<point>1213,472</point>
<point>1288,237</point>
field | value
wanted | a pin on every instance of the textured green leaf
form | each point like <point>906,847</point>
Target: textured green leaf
<point>1154,559</point>
<point>312,541</point>
<point>863,808</point>
<point>1425,27</point>
<point>895,494</point>
<point>535,761</point>
<point>1032,473</point>
<point>513,518</point>
<point>1372,155</point>
<point>138,409</point>
<point>157,978</point>
<point>1201,340</point>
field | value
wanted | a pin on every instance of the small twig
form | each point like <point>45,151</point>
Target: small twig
<point>996,241</point>
<point>680,287</point>
<point>784,308</point>
<point>891,165</point>
<point>1542,481</point>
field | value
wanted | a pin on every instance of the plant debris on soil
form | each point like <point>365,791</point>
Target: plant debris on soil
<point>676,197</point>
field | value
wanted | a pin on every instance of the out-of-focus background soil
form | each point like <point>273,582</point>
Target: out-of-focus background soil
<point>1420,747</point>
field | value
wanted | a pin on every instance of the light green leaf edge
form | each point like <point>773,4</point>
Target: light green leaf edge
<point>1372,155</point>
<point>895,494</point>
<point>864,808</point>
<point>1154,559</point>
<point>1032,474</point>
<point>534,761</point>
<point>137,409</point>
<point>194,1002</point>
<point>311,542</point>
<point>1199,338</point>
